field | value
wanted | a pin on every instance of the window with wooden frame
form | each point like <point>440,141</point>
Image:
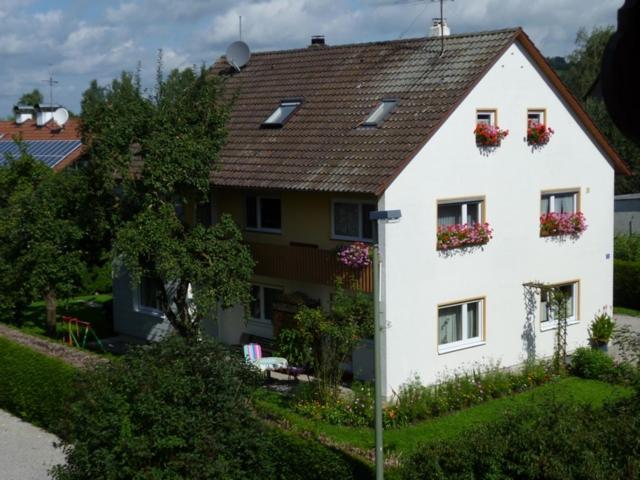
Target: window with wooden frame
<point>570,292</point>
<point>262,299</point>
<point>460,212</point>
<point>560,202</point>
<point>350,220</point>
<point>460,324</point>
<point>263,213</point>
<point>488,116</point>
<point>537,116</point>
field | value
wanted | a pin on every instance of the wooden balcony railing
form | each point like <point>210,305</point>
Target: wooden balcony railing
<point>307,264</point>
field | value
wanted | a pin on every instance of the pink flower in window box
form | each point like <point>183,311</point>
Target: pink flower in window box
<point>489,135</point>
<point>538,134</point>
<point>558,224</point>
<point>463,235</point>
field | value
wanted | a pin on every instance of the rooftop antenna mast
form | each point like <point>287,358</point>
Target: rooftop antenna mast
<point>240,27</point>
<point>51,82</point>
<point>441,25</point>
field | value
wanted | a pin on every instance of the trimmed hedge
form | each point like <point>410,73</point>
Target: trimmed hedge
<point>547,441</point>
<point>33,386</point>
<point>626,284</point>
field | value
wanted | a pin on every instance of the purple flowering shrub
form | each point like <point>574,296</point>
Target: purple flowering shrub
<point>463,235</point>
<point>355,255</point>
<point>554,224</point>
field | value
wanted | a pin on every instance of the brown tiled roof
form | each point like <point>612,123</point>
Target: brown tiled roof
<point>321,148</point>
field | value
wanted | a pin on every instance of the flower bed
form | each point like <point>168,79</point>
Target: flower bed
<point>463,235</point>
<point>356,255</point>
<point>559,224</point>
<point>538,134</point>
<point>489,135</point>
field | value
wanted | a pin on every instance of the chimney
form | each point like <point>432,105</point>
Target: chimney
<point>439,28</point>
<point>44,113</point>
<point>23,113</point>
<point>317,41</point>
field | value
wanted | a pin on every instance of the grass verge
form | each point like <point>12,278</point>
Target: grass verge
<point>401,441</point>
<point>626,311</point>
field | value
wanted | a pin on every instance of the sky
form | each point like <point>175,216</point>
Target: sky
<point>75,41</point>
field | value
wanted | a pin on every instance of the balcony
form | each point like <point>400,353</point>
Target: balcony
<point>307,264</point>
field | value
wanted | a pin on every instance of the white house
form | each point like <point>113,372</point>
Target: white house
<point>323,135</point>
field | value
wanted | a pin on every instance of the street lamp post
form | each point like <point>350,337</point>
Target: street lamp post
<point>375,217</point>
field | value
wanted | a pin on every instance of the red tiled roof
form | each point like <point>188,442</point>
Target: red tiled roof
<point>321,147</point>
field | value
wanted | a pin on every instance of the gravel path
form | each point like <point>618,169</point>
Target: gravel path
<point>26,452</point>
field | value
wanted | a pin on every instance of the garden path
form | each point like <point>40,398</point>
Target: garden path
<point>26,452</point>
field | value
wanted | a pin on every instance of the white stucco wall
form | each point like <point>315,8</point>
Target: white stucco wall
<point>417,278</point>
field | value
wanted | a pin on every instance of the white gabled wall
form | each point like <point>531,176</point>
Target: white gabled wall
<point>417,278</point>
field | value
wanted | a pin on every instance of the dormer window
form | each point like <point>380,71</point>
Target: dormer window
<point>380,113</point>
<point>278,118</point>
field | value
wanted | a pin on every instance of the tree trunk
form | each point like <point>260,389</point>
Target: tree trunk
<point>50,301</point>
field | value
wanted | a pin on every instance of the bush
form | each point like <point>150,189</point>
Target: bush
<point>34,386</point>
<point>601,328</point>
<point>626,284</point>
<point>627,247</point>
<point>549,440</point>
<point>593,364</point>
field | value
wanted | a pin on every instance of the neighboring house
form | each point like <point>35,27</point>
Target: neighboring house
<point>321,136</point>
<point>627,217</point>
<point>56,145</point>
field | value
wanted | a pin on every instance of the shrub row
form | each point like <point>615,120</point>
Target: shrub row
<point>550,440</point>
<point>33,386</point>
<point>626,284</point>
<point>415,402</point>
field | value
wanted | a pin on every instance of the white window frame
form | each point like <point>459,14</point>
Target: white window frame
<point>360,203</point>
<point>493,115</point>
<point>552,199</point>
<point>572,320</point>
<point>258,227</point>
<point>140,308</point>
<point>464,206</point>
<point>262,319</point>
<point>542,115</point>
<point>465,342</point>
<point>271,122</point>
<point>380,113</point>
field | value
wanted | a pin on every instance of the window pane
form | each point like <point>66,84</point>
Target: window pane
<point>545,203</point>
<point>567,290</point>
<point>473,212</point>
<point>280,115</point>
<point>270,213</point>
<point>473,320</point>
<point>484,118</point>
<point>564,203</point>
<point>367,225</point>
<point>449,214</point>
<point>450,322</point>
<point>255,301</point>
<point>544,307</point>
<point>535,117</point>
<point>148,293</point>
<point>381,112</point>
<point>346,219</point>
<point>270,296</point>
<point>251,211</point>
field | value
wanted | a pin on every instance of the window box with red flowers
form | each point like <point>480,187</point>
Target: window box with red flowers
<point>463,235</point>
<point>562,224</point>
<point>489,135</point>
<point>538,134</point>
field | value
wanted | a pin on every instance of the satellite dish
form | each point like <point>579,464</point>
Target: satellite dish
<point>60,116</point>
<point>238,54</point>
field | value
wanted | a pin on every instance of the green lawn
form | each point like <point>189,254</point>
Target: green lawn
<point>92,308</point>
<point>626,311</point>
<point>403,440</point>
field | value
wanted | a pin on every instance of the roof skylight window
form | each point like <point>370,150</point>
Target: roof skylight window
<point>278,118</point>
<point>380,114</point>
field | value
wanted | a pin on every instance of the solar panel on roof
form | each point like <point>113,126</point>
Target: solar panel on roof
<point>50,152</point>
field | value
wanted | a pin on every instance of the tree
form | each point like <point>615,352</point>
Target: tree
<point>153,157</point>
<point>40,234</point>
<point>31,98</point>
<point>581,75</point>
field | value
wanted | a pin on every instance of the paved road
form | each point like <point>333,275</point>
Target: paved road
<point>26,452</point>
<point>633,322</point>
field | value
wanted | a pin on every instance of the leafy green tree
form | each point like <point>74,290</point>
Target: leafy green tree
<point>151,158</point>
<point>31,98</point>
<point>581,75</point>
<point>40,235</point>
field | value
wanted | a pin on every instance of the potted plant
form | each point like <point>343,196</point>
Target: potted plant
<point>601,330</point>
<point>489,135</point>
<point>538,134</point>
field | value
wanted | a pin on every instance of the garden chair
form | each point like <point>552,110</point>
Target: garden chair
<point>253,355</point>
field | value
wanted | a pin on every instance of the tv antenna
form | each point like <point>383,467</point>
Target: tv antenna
<point>441,24</point>
<point>238,53</point>
<point>51,82</point>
